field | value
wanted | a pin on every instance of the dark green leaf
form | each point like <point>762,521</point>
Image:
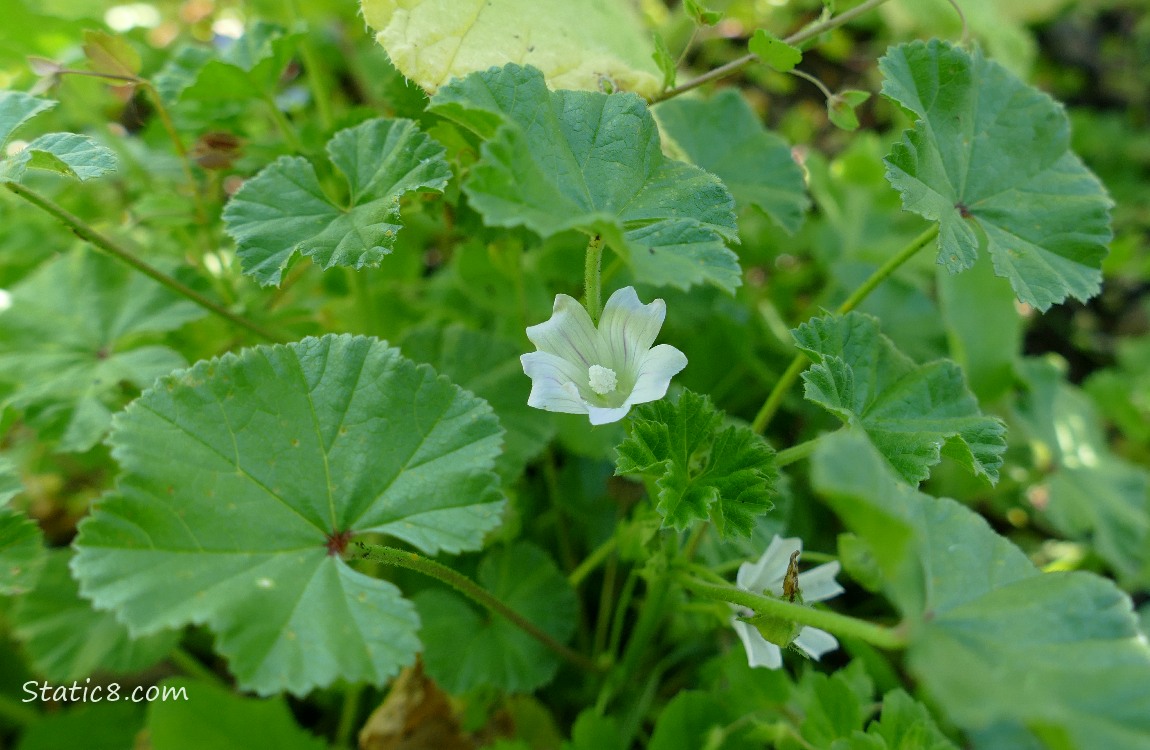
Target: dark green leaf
<point>245,476</point>
<point>989,159</point>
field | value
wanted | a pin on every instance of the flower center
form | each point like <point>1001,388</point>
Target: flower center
<point>603,379</point>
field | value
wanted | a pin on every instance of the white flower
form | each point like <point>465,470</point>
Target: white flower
<point>766,576</point>
<point>601,372</point>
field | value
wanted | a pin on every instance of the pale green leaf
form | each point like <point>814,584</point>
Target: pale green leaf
<point>210,717</point>
<point>841,108</point>
<point>577,45</point>
<point>108,53</point>
<point>74,335</point>
<point>563,160</point>
<point>702,473</point>
<point>63,153</point>
<point>489,367</point>
<point>466,648</point>
<point>724,136</point>
<point>992,639</point>
<point>989,159</point>
<point>245,476</point>
<point>914,414</point>
<point>666,62</point>
<point>16,108</point>
<point>773,51</point>
<point>284,209</point>
<point>67,640</point>
<point>700,14</point>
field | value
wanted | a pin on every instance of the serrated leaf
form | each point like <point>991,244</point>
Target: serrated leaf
<point>466,649</point>
<point>905,724</point>
<point>72,337</point>
<point>222,720</point>
<point>989,159</point>
<point>489,367</point>
<point>68,154</point>
<point>244,476</point>
<point>112,54</point>
<point>561,160</point>
<point>21,541</point>
<point>773,51</point>
<point>579,45</point>
<point>67,640</point>
<point>16,108</point>
<point>992,639</point>
<point>690,719</point>
<point>724,136</point>
<point>1090,494</point>
<point>284,209</point>
<point>912,413</point>
<point>702,473</point>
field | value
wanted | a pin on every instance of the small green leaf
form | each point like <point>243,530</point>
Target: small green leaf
<point>773,51</point>
<point>222,720</point>
<point>284,209</point>
<point>67,640</point>
<point>724,136</point>
<point>75,333</point>
<point>700,14</point>
<point>68,154</point>
<point>912,413</point>
<point>689,720</point>
<point>905,724</point>
<point>252,64</point>
<point>666,62</point>
<point>989,159</point>
<point>563,160</point>
<point>245,477</point>
<point>576,45</point>
<point>16,108</point>
<point>993,639</point>
<point>111,54</point>
<point>841,108</point>
<point>702,473</point>
<point>466,649</point>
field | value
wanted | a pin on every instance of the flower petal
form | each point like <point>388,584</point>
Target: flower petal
<point>819,584</point>
<point>606,415</point>
<point>768,572</point>
<point>552,386</point>
<point>655,372</point>
<point>815,642</point>
<point>628,328</point>
<point>570,334</point>
<point>760,653</point>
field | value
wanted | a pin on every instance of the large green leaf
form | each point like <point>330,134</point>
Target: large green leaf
<point>991,638</point>
<point>587,44</point>
<point>560,160</point>
<point>67,640</point>
<point>466,648</point>
<point>723,135</point>
<point>912,413</point>
<point>208,717</point>
<point>73,336</point>
<point>244,479</point>
<point>284,209</point>
<point>702,473</point>
<point>989,159</point>
<point>1091,494</point>
<point>21,541</point>
<point>106,725</point>
<point>489,367</point>
<point>248,67</point>
<point>64,153</point>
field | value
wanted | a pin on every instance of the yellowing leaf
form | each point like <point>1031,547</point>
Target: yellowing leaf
<point>578,44</point>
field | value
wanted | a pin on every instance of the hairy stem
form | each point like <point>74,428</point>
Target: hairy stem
<point>775,398</point>
<point>474,592</point>
<point>86,232</point>
<point>592,280</point>
<point>796,452</point>
<point>592,561</point>
<point>794,39</point>
<point>832,622</point>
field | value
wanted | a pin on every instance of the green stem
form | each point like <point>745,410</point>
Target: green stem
<point>181,151</point>
<point>606,596</point>
<point>348,713</point>
<point>621,608</point>
<point>833,622</point>
<point>592,280</point>
<point>551,479</point>
<point>592,561</point>
<point>192,666</point>
<point>783,384</point>
<point>808,77</point>
<point>794,39</point>
<point>85,232</point>
<point>17,712</point>
<point>474,592</point>
<point>316,78</point>
<point>797,452</point>
<point>287,130</point>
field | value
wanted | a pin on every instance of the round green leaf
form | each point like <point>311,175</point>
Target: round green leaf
<point>467,648</point>
<point>244,479</point>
